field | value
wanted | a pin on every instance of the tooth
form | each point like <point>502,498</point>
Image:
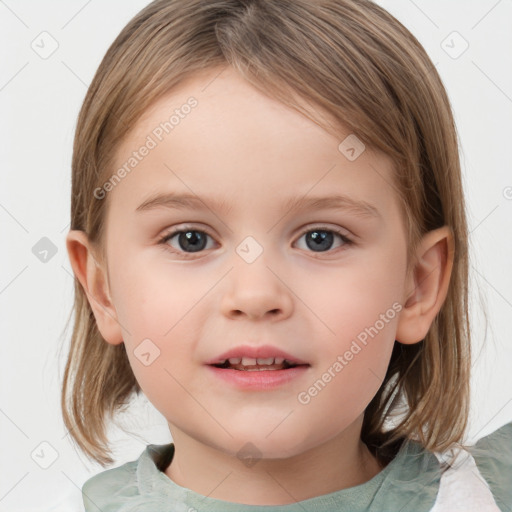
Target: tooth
<point>248,361</point>
<point>269,360</point>
<point>235,360</point>
<point>278,360</point>
<point>259,369</point>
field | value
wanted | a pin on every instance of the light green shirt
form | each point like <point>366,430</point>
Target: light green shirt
<point>414,481</point>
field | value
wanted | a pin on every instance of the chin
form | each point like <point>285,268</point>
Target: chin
<point>266,443</point>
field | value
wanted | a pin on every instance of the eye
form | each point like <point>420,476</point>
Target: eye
<point>320,239</point>
<point>188,239</point>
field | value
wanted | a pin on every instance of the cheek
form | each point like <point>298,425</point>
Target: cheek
<point>353,297</point>
<point>155,300</point>
<point>359,309</point>
<point>161,317</point>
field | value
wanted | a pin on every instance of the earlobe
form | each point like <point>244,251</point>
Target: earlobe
<point>427,285</point>
<point>92,277</point>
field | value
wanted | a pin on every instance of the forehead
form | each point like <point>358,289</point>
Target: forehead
<point>217,135</point>
<point>215,104</point>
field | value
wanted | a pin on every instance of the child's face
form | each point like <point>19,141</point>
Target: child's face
<point>316,300</point>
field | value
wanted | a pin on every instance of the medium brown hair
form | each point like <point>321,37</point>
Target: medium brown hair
<point>350,58</point>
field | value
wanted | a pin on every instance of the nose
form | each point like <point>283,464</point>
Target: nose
<point>257,291</point>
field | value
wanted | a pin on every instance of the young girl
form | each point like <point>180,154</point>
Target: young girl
<point>269,239</point>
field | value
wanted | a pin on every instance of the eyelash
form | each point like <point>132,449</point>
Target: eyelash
<point>164,239</point>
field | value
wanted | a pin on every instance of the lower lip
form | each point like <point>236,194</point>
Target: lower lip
<point>259,379</point>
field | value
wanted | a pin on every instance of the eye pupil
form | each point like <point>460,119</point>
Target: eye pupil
<point>193,240</point>
<point>319,238</point>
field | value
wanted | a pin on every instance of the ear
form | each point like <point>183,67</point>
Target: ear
<point>427,285</point>
<point>94,281</point>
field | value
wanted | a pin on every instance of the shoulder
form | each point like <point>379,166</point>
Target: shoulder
<point>98,491</point>
<point>110,489</point>
<point>493,458</point>
<point>478,478</point>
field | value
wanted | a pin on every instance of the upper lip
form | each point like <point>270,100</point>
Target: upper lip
<point>259,352</point>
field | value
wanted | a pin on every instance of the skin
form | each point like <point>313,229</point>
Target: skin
<point>254,153</point>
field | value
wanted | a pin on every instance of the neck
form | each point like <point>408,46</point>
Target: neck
<point>339,463</point>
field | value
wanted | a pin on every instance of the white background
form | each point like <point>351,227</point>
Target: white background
<point>39,101</point>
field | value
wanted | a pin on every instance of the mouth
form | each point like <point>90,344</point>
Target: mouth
<point>249,364</point>
<point>257,374</point>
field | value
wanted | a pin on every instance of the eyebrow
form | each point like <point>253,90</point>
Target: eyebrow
<point>173,200</point>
